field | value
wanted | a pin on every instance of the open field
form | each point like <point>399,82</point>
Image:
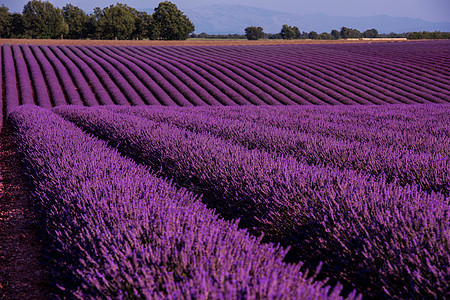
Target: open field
<point>137,161</point>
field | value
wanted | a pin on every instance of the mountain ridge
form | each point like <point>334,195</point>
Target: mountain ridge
<point>230,19</point>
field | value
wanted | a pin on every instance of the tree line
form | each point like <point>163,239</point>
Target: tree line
<point>436,35</point>
<point>293,32</point>
<point>230,36</point>
<point>42,20</point>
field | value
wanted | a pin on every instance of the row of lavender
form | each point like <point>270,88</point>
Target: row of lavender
<point>418,127</point>
<point>117,231</point>
<point>191,76</point>
<point>377,228</point>
<point>410,157</point>
<point>326,75</point>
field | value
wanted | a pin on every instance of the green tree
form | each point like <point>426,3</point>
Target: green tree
<point>325,36</point>
<point>43,21</point>
<point>169,23</point>
<point>415,35</point>
<point>5,22</point>
<point>77,21</point>
<point>297,33</point>
<point>370,33</point>
<point>313,35</point>
<point>91,27</point>
<point>254,33</point>
<point>347,33</point>
<point>275,36</point>
<point>143,25</point>
<point>428,35</point>
<point>355,33</point>
<point>115,22</point>
<point>287,32</point>
<point>344,33</point>
<point>335,34</point>
<point>17,26</point>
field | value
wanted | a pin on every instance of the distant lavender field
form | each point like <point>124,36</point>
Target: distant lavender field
<point>381,73</point>
<point>144,194</point>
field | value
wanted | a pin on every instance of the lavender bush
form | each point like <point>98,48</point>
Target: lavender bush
<point>108,83</point>
<point>118,81</point>
<point>430,171</point>
<point>362,189</point>
<point>41,90</point>
<point>11,92</point>
<point>383,239</point>
<point>96,77</point>
<point>26,90</point>
<point>67,81</point>
<point>54,86</point>
<point>121,232</point>
<point>87,95</point>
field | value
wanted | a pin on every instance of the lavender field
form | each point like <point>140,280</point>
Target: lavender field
<point>382,73</point>
<point>198,173</point>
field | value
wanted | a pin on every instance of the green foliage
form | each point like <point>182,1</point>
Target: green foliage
<point>288,32</point>
<point>17,27</point>
<point>91,27</point>
<point>335,34</point>
<point>254,33</point>
<point>170,23</point>
<point>297,32</point>
<point>314,35</point>
<point>204,35</point>
<point>115,22</point>
<point>392,35</point>
<point>436,35</point>
<point>347,33</point>
<point>276,36</point>
<point>143,24</point>
<point>326,36</point>
<point>43,21</point>
<point>304,35</point>
<point>5,22</point>
<point>77,21</point>
<point>370,33</point>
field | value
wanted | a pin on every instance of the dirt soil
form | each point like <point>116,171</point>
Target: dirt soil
<point>188,42</point>
<point>22,271</point>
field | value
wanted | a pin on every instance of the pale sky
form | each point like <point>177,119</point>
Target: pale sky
<point>429,10</point>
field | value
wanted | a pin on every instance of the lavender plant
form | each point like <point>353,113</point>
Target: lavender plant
<point>132,73</point>
<point>26,90</point>
<point>107,80</point>
<point>54,87</point>
<point>76,76</point>
<point>118,231</point>
<point>373,236</point>
<point>11,92</point>
<point>118,81</point>
<point>273,75</point>
<point>67,82</point>
<point>95,77</point>
<point>430,171</point>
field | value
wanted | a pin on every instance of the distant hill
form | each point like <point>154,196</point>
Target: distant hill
<point>225,19</point>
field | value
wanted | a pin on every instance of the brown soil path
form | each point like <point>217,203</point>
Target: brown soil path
<point>22,273</point>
